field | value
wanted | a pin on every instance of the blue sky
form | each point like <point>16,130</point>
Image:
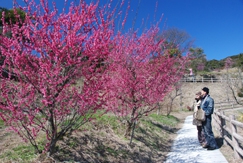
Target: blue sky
<point>215,25</point>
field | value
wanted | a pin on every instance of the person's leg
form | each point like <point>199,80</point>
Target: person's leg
<point>209,133</point>
<point>201,137</point>
<point>205,143</point>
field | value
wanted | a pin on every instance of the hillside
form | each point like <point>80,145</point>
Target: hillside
<point>218,91</point>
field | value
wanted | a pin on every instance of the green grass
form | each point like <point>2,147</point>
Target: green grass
<point>1,123</point>
<point>165,120</point>
<point>20,154</point>
<point>110,120</point>
<point>23,153</point>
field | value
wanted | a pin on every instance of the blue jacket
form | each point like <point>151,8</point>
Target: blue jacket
<point>207,105</point>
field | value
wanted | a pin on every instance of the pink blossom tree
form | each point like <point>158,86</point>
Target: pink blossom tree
<point>50,51</point>
<point>48,54</point>
<point>228,63</point>
<point>140,75</point>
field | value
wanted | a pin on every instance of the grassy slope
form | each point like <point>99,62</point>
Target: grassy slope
<point>103,141</point>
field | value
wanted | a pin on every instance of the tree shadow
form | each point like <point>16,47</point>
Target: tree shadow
<point>165,127</point>
<point>103,145</point>
<point>89,148</point>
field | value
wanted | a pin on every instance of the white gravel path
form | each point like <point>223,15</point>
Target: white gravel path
<point>186,148</point>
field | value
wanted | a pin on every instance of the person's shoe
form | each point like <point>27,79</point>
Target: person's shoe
<point>211,148</point>
<point>204,145</point>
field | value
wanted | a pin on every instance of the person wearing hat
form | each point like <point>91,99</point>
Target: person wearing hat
<point>200,134</point>
<point>207,105</point>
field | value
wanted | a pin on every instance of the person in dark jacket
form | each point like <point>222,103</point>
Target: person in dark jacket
<point>207,105</point>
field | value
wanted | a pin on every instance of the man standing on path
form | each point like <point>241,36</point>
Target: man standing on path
<point>208,106</point>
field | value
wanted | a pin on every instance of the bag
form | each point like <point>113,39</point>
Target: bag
<point>200,115</point>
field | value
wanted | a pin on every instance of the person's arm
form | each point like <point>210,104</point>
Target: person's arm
<point>190,108</point>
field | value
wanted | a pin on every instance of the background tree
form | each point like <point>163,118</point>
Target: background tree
<point>213,65</point>
<point>171,96</point>
<point>176,41</point>
<point>198,59</point>
<point>11,16</point>
<point>239,65</point>
<point>227,65</point>
<point>239,61</point>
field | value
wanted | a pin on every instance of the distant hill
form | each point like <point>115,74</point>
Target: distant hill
<point>212,65</point>
<point>237,60</point>
<point>234,57</point>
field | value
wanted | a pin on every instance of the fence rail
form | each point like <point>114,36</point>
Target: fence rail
<point>203,79</point>
<point>227,127</point>
<point>228,105</point>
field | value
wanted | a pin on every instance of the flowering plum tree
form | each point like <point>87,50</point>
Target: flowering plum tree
<point>140,75</point>
<point>48,53</point>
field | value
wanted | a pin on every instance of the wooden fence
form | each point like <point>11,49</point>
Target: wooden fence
<point>203,79</point>
<point>226,105</point>
<point>228,130</point>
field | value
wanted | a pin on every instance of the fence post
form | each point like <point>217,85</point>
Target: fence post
<point>223,132</point>
<point>235,143</point>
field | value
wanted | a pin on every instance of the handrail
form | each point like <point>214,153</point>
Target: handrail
<point>227,127</point>
<point>211,80</point>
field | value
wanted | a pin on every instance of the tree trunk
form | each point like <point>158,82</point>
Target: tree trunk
<point>54,137</point>
<point>128,130</point>
<point>133,128</point>
<point>52,147</point>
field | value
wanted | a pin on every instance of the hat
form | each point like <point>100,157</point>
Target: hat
<point>205,89</point>
<point>199,93</point>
